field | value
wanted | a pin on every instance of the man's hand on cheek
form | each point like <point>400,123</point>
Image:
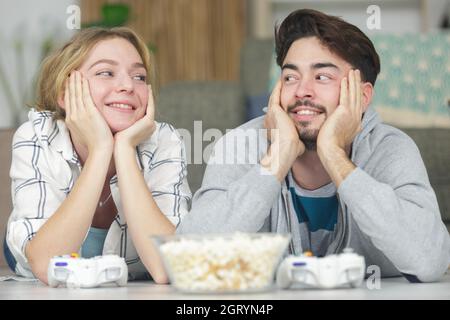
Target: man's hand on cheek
<point>340,129</point>
<point>342,126</point>
<point>285,144</point>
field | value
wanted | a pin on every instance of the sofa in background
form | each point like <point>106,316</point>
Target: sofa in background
<point>204,106</point>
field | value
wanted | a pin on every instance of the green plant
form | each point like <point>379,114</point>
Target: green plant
<point>112,15</point>
<point>115,15</point>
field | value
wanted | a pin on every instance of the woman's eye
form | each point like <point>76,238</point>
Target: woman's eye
<point>140,78</point>
<point>104,73</point>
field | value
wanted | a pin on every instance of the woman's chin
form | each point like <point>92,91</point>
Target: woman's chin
<point>117,127</point>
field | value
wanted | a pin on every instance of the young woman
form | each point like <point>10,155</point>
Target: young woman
<point>92,172</point>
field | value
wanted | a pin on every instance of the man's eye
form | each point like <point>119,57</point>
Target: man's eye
<point>323,77</point>
<point>289,78</point>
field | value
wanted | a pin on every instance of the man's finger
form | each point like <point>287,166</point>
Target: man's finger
<point>351,90</point>
<point>343,98</point>
<point>275,96</point>
<point>358,93</point>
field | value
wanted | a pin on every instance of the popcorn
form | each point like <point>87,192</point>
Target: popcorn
<point>235,262</point>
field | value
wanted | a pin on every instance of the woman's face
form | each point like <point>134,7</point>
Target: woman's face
<point>117,81</point>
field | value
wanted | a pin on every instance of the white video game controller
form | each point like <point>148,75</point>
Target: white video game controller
<point>337,270</point>
<point>77,272</point>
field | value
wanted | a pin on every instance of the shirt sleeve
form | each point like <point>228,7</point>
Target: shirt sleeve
<point>166,174</point>
<point>394,205</point>
<point>35,194</point>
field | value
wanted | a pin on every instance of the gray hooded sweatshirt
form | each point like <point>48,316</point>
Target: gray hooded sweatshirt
<point>388,211</point>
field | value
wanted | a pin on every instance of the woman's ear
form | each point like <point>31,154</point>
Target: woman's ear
<point>61,101</point>
<point>367,94</point>
<point>61,97</point>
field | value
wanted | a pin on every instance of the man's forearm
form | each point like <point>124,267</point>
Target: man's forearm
<point>337,163</point>
<point>279,159</point>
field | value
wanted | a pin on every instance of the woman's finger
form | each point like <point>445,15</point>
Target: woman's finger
<point>86,94</point>
<point>72,95</point>
<point>79,91</point>
<point>67,98</point>
<point>351,91</point>
<point>150,112</point>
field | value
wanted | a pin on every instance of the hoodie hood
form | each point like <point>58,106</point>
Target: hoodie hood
<point>370,120</point>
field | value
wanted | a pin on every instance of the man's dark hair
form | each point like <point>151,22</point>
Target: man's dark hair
<point>340,37</point>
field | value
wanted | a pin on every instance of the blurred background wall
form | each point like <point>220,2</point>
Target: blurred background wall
<point>27,30</point>
<point>398,16</point>
<point>191,39</point>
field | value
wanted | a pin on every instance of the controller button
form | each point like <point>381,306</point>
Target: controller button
<point>299,264</point>
<point>61,264</point>
<point>308,254</point>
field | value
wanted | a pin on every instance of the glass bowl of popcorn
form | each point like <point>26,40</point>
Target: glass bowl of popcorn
<point>228,263</point>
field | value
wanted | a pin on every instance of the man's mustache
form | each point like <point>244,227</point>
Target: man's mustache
<point>307,103</point>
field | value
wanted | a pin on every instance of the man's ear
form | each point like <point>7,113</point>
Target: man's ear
<point>367,94</point>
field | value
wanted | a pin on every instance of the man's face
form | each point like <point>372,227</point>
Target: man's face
<point>311,78</point>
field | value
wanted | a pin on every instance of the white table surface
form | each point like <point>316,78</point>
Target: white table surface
<point>390,288</point>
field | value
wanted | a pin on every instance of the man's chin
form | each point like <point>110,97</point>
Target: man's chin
<point>310,145</point>
<point>309,138</point>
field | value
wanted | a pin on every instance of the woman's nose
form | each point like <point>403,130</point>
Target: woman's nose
<point>125,83</point>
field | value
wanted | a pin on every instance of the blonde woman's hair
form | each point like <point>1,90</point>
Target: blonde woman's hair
<point>58,65</point>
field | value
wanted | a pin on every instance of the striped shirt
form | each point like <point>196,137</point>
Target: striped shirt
<point>45,167</point>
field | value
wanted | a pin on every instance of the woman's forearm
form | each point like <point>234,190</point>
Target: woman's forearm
<point>144,218</point>
<point>65,230</point>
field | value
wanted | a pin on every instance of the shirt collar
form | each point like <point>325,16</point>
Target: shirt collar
<point>63,143</point>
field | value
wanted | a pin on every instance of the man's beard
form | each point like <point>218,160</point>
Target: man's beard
<point>307,136</point>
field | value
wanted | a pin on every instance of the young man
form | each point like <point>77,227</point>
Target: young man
<point>333,175</point>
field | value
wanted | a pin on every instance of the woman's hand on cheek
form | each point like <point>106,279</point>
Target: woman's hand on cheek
<point>86,125</point>
<point>141,129</point>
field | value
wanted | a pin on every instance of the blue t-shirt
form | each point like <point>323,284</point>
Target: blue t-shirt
<point>93,244</point>
<point>317,212</point>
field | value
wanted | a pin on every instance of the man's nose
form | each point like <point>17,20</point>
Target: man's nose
<point>305,89</point>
